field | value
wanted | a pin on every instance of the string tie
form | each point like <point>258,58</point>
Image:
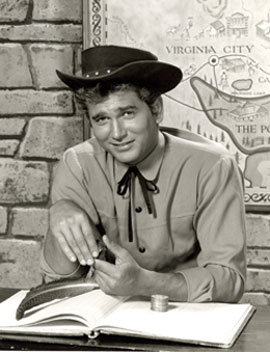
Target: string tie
<point>147,186</point>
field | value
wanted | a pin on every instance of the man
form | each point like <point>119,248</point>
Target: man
<point>169,210</point>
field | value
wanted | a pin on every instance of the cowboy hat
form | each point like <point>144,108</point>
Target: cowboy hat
<point>123,64</point>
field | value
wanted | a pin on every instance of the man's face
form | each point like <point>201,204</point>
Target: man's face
<point>125,127</point>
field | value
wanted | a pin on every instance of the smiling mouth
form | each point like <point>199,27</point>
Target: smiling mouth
<point>123,145</point>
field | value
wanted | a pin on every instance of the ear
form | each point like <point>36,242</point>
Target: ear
<point>157,110</point>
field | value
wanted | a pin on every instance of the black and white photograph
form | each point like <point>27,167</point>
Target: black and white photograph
<point>135,175</point>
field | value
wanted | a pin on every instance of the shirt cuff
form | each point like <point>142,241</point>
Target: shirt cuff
<point>200,284</point>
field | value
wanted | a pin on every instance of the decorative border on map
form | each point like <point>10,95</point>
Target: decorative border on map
<point>94,34</point>
<point>257,200</point>
<point>94,22</point>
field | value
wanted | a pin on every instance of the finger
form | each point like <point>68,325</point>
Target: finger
<point>82,244</point>
<point>74,240</point>
<point>102,282</point>
<point>101,266</point>
<point>118,251</point>
<point>90,233</point>
<point>65,247</point>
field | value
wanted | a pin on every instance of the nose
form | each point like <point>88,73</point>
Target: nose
<point>118,130</point>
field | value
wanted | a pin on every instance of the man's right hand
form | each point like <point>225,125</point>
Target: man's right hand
<point>71,227</point>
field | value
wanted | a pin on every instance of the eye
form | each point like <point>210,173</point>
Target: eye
<point>101,120</point>
<point>128,114</point>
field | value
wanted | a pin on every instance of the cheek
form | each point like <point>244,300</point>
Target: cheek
<point>101,133</point>
<point>140,125</point>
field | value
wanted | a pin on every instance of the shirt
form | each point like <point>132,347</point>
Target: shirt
<point>197,227</point>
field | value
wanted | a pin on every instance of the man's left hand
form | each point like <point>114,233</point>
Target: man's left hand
<point>122,278</point>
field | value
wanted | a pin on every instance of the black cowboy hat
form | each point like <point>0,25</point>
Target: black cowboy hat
<point>123,64</point>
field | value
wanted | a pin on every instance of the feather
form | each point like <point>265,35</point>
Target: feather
<point>62,288</point>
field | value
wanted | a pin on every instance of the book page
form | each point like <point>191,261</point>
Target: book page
<point>87,309</point>
<point>214,323</point>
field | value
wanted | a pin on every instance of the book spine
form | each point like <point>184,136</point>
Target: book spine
<point>93,334</point>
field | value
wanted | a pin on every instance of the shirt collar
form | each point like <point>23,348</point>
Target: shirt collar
<point>148,167</point>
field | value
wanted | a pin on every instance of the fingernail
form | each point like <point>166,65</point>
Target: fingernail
<point>73,259</point>
<point>83,262</point>
<point>90,262</point>
<point>95,254</point>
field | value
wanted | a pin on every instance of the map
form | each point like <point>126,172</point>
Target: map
<point>222,47</point>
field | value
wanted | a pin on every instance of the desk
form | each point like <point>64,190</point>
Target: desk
<point>254,338</point>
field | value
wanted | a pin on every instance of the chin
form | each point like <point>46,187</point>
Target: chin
<point>126,159</point>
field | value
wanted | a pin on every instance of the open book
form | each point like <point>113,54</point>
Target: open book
<point>94,313</point>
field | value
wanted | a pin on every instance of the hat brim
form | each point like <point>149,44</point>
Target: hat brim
<point>158,76</point>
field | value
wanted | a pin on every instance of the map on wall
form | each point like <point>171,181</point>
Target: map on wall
<point>222,47</point>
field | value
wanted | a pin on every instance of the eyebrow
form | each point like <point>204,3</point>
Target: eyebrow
<point>120,110</point>
<point>98,115</point>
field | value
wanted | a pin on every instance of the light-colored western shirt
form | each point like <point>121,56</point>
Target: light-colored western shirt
<point>197,227</point>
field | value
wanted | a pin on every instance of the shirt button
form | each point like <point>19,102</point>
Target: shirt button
<point>141,249</point>
<point>138,209</point>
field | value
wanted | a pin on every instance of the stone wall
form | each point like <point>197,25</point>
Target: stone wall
<point>38,122</point>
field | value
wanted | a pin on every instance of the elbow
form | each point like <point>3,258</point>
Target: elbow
<point>228,284</point>
<point>238,291</point>
<point>235,288</point>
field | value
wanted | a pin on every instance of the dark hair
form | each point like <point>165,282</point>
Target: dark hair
<point>101,91</point>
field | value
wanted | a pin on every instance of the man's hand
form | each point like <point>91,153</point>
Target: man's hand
<point>124,278</point>
<point>72,229</point>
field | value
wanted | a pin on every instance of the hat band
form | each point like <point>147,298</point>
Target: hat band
<point>102,72</point>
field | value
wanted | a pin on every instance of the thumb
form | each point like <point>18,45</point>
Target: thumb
<point>118,251</point>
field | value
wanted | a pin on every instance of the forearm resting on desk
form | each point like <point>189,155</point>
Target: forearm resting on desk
<point>172,285</point>
<point>212,284</point>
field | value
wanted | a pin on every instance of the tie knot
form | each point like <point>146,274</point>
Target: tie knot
<point>146,185</point>
<point>125,182</point>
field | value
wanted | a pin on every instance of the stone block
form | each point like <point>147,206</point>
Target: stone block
<point>258,230</point>
<point>40,32</point>
<point>29,222</point>
<point>58,10</point>
<point>258,257</point>
<point>19,263</point>
<point>258,280</point>
<point>23,182</point>
<point>3,220</point>
<point>14,69</point>
<point>50,137</point>
<point>11,126</point>
<point>14,10</point>
<point>46,59</point>
<point>8,147</point>
<point>33,102</point>
<point>257,299</point>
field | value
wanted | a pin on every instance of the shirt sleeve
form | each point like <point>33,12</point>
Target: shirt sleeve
<point>220,226</point>
<point>69,183</point>
<point>50,275</point>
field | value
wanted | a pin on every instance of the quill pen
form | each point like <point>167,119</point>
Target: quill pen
<point>62,288</point>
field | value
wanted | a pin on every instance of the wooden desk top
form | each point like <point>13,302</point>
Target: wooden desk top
<point>254,338</point>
